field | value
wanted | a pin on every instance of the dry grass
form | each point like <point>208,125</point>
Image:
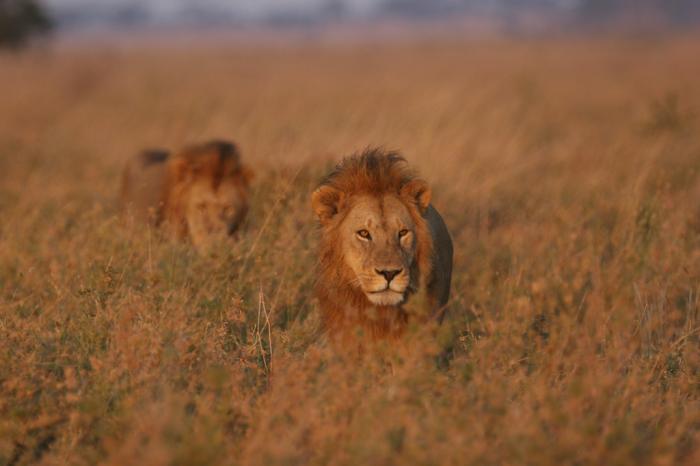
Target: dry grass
<point>568,173</point>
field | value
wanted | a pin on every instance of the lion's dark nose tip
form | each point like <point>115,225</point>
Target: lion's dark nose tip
<point>232,228</point>
<point>389,274</point>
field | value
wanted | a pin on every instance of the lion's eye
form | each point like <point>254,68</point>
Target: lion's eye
<point>364,234</point>
<point>403,233</point>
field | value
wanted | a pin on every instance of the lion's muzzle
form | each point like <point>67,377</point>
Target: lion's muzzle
<point>388,286</point>
<point>388,274</point>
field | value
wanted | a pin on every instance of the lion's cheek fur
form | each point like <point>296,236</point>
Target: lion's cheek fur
<point>344,305</point>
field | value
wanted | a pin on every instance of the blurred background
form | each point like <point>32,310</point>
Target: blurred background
<point>23,18</point>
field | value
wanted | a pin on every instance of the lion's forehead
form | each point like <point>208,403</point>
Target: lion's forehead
<point>386,212</point>
<point>396,213</point>
<point>226,193</point>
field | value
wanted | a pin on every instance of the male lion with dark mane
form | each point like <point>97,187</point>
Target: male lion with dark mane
<point>381,242</point>
<point>200,193</point>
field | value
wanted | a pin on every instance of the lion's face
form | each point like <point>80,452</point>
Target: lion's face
<point>377,247</point>
<point>377,239</point>
<point>214,213</point>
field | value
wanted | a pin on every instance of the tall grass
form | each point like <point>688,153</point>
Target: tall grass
<point>569,175</point>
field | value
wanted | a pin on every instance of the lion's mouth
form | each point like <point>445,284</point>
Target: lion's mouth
<point>385,297</point>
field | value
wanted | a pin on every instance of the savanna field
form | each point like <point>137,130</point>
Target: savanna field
<point>568,174</point>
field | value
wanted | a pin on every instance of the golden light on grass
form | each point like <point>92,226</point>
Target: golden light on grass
<point>569,175</point>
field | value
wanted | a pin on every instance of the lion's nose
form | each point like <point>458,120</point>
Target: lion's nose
<point>389,274</point>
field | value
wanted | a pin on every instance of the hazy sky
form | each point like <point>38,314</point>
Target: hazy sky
<point>250,8</point>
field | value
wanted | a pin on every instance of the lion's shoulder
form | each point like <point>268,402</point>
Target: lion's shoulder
<point>442,252</point>
<point>144,182</point>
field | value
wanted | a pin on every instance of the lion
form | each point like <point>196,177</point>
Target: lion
<point>200,193</point>
<point>381,242</point>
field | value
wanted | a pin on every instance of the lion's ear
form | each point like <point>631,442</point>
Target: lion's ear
<point>419,192</point>
<point>326,202</point>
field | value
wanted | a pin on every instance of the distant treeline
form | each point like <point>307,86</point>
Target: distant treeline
<point>582,12</point>
<point>674,12</point>
<point>20,21</point>
<point>579,12</point>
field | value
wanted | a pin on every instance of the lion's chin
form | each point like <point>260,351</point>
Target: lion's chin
<point>386,298</point>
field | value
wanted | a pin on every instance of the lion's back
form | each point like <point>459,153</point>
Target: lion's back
<point>144,184</point>
<point>439,286</point>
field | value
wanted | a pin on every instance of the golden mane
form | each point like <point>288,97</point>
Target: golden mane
<point>373,172</point>
<point>197,193</point>
<point>212,161</point>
